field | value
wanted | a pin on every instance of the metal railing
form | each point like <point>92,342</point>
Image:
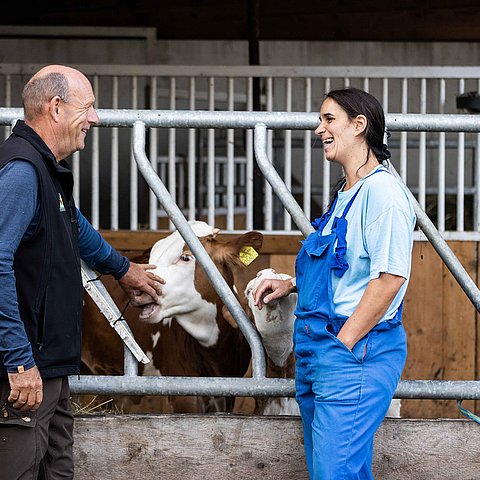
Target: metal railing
<point>441,168</point>
<point>260,122</point>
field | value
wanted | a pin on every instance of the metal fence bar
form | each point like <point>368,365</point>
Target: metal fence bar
<point>307,154</point>
<point>460,169</point>
<point>395,122</point>
<point>268,188</point>
<point>249,156</point>
<point>152,200</point>
<point>385,95</point>
<point>245,71</point>
<point>262,387</point>
<point>403,135</point>
<point>422,149</point>
<point>287,174</point>
<point>95,177</point>
<point>192,184</point>
<point>211,157</point>
<point>172,138</point>
<point>76,178</point>
<point>114,163</point>
<point>441,165</point>
<point>326,165</point>
<point>476,198</point>
<point>133,168</point>
<point>230,161</point>
<point>476,224</point>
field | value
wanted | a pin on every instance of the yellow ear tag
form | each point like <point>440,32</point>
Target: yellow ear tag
<point>247,255</point>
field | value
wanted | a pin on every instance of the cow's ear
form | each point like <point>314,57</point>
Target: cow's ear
<point>229,317</point>
<point>250,239</point>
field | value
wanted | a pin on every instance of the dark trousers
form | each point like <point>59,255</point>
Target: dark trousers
<point>37,441</point>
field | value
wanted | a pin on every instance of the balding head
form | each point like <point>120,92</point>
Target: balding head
<point>59,106</point>
<point>47,83</point>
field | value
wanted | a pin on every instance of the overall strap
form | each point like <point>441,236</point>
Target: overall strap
<point>319,223</point>
<point>340,224</point>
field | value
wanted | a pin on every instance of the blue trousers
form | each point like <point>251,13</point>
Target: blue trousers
<point>344,395</point>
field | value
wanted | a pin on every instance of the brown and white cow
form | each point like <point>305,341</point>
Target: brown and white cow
<point>189,332</point>
<point>275,325</point>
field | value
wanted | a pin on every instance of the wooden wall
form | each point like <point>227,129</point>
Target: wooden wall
<point>224,447</point>
<point>440,321</point>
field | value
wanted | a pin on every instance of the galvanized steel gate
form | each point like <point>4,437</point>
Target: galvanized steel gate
<point>260,123</point>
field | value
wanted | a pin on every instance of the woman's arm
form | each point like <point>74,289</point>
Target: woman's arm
<point>378,296</point>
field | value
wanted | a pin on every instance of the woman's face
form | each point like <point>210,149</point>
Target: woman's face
<point>336,131</point>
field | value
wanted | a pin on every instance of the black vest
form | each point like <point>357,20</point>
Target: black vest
<point>47,265</point>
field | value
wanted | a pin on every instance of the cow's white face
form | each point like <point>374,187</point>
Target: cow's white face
<point>275,321</point>
<point>180,297</point>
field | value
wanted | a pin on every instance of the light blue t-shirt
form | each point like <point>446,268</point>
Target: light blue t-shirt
<point>379,239</point>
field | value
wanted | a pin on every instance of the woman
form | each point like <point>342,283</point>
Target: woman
<point>351,277</point>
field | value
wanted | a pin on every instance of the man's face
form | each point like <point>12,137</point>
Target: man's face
<point>78,115</point>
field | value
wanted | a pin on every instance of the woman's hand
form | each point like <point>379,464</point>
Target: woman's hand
<point>271,289</point>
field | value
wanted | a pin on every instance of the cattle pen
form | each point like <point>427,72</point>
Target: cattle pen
<point>225,446</point>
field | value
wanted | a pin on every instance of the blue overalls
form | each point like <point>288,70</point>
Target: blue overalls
<point>343,395</point>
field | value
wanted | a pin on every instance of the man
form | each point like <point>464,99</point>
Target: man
<point>42,238</point>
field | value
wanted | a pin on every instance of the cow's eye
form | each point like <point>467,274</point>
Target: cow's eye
<point>185,257</point>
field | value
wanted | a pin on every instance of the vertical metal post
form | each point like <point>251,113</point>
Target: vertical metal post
<point>307,159</point>
<point>251,170</point>
<point>76,177</point>
<point>268,189</point>
<point>326,168</point>
<point>172,161</point>
<point>441,165</point>
<point>461,170</point>
<point>152,200</point>
<point>230,161</point>
<point>114,165</point>
<point>192,184</point>
<point>422,157</point>
<point>133,168</point>
<point>403,135</point>
<point>476,206</point>
<point>287,220</point>
<point>385,95</point>
<point>211,157</point>
<point>96,165</point>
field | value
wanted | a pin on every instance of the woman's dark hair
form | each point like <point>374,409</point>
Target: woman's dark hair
<point>358,102</point>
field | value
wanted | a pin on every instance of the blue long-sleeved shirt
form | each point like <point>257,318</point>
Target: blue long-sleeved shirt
<point>19,213</point>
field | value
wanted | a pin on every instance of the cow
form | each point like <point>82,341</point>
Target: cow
<point>189,332</point>
<point>275,326</point>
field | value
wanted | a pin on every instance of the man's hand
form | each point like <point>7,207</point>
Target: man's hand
<point>140,283</point>
<point>26,389</point>
<point>271,289</point>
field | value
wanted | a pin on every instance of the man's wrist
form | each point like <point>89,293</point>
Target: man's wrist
<point>293,281</point>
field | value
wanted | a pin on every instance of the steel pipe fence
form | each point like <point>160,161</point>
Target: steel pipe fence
<point>258,384</point>
<point>444,179</point>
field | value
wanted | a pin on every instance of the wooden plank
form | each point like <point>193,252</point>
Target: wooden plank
<point>459,325</point>
<point>226,447</point>
<point>126,240</point>
<point>422,318</point>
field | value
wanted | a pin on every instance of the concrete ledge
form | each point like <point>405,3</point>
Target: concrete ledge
<point>223,447</point>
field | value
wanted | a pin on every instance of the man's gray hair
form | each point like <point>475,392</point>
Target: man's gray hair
<point>40,90</point>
